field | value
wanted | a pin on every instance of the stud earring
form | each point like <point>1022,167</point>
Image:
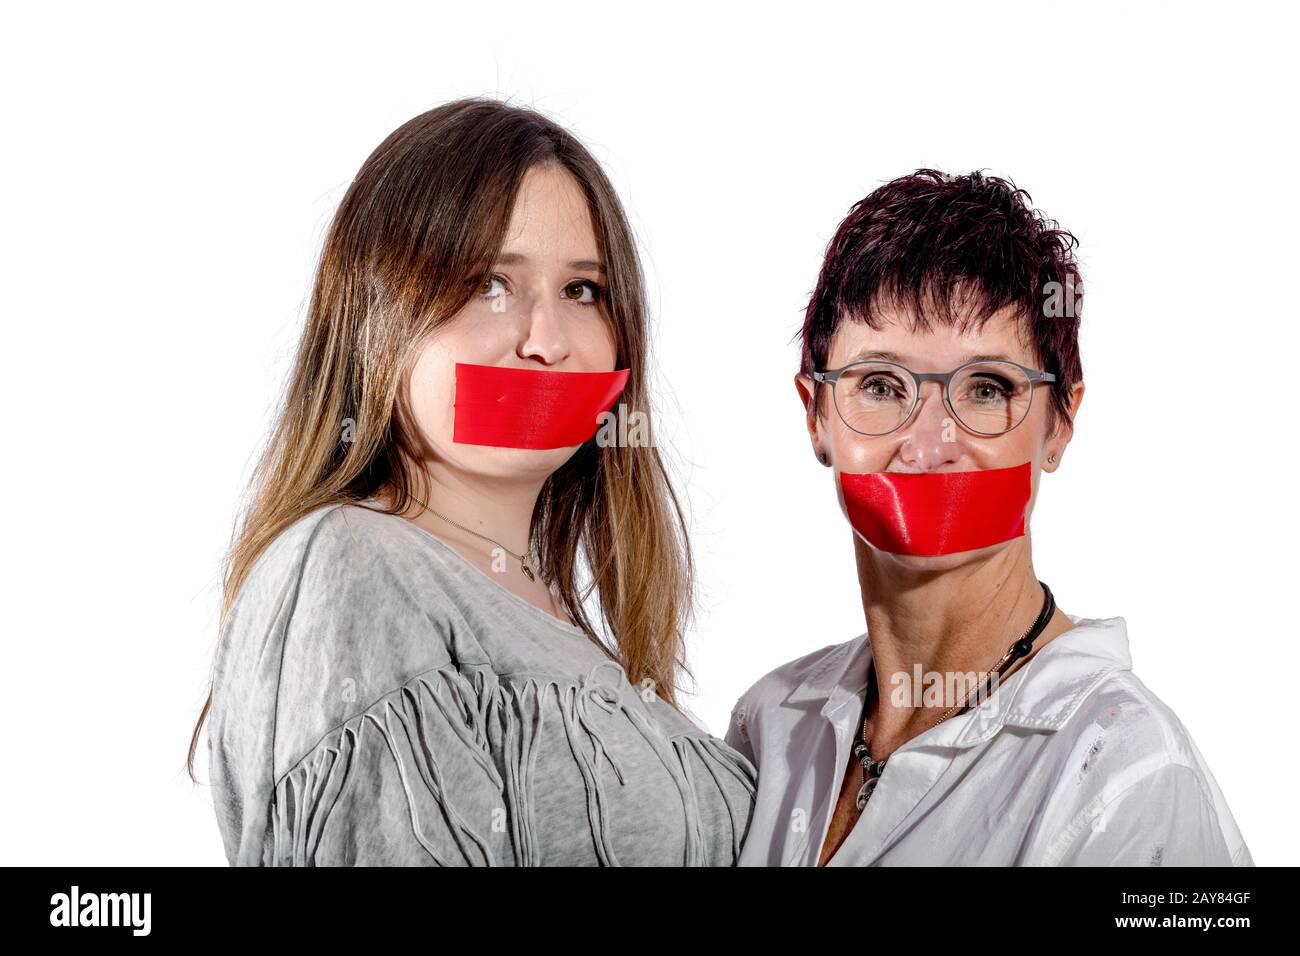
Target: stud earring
<point>821,456</point>
<point>1051,459</point>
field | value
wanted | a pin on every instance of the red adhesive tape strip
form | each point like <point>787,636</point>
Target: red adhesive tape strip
<point>530,408</point>
<point>938,512</point>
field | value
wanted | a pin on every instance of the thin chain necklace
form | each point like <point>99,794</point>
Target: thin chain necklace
<point>872,769</point>
<point>521,558</point>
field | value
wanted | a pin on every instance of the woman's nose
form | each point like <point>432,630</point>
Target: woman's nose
<point>930,437</point>
<point>543,335</point>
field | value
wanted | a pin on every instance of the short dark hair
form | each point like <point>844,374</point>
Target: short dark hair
<point>953,249</point>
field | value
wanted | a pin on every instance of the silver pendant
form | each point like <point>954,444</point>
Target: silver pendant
<point>871,771</point>
<point>864,794</point>
<point>528,572</point>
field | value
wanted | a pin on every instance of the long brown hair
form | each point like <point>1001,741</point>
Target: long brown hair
<point>404,253</point>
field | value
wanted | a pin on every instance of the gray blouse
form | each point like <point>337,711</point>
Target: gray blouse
<point>378,700</point>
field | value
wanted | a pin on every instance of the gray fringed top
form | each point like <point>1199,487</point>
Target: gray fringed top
<point>378,700</point>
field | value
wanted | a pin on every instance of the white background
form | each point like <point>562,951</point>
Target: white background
<point>168,174</point>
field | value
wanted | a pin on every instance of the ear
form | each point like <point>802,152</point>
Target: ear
<point>807,388</point>
<point>1064,431</point>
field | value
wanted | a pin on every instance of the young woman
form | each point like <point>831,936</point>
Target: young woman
<point>408,670</point>
<point>974,722</point>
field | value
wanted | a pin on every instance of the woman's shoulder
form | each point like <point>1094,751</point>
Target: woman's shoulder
<point>1129,737</point>
<point>361,549</point>
<point>351,563</point>
<point>343,607</point>
<point>1128,710</point>
<point>812,675</point>
<point>1122,746</point>
<point>1102,704</point>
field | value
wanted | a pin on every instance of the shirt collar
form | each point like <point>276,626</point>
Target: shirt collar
<point>1041,696</point>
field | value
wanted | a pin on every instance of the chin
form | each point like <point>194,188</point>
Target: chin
<point>502,462</point>
<point>936,564</point>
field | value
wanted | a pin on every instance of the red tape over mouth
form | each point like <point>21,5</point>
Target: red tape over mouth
<point>938,512</point>
<point>529,408</point>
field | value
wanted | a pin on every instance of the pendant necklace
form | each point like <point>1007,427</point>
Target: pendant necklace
<point>872,769</point>
<point>521,558</point>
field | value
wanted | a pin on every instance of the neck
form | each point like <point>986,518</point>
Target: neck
<point>958,620</point>
<point>499,508</point>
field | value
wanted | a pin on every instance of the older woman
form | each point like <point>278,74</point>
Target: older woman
<point>974,722</point>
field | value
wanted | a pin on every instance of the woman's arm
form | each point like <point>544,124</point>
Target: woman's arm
<point>737,737</point>
<point>342,732</point>
<point>1164,818</point>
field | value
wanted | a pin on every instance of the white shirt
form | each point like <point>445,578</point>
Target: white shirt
<point>1077,764</point>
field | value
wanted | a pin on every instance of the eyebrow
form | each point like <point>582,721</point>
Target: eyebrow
<point>587,265</point>
<point>895,357</point>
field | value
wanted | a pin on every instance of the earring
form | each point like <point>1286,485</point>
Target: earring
<point>1051,459</point>
<point>821,456</point>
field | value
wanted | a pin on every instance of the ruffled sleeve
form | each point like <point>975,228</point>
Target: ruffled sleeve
<point>409,782</point>
<point>327,668</point>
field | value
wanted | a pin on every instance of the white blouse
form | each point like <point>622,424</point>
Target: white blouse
<point>1071,761</point>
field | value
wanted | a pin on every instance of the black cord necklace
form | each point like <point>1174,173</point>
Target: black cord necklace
<point>872,769</point>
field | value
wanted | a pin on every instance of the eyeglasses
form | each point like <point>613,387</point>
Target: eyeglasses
<point>988,398</point>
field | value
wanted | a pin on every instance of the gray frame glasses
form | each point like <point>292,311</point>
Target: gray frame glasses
<point>832,376</point>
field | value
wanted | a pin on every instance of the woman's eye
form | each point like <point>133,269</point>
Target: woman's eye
<point>583,291</point>
<point>988,390</point>
<point>492,287</point>
<point>876,388</point>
